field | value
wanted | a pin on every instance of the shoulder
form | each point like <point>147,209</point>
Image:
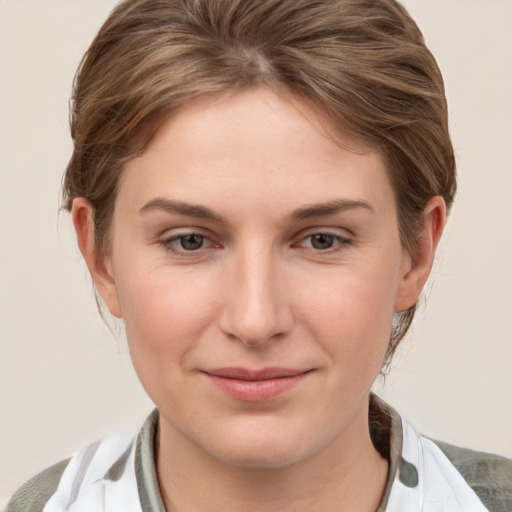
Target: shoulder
<point>117,467</point>
<point>34,494</point>
<point>489,475</point>
<point>65,482</point>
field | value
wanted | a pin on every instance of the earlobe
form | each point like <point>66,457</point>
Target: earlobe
<point>420,261</point>
<point>101,272</point>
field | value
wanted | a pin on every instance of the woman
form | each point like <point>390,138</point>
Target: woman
<point>258,189</point>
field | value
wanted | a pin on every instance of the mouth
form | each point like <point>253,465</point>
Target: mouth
<point>250,385</point>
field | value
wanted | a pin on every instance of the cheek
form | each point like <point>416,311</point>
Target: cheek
<point>165,313</point>
<point>351,315</point>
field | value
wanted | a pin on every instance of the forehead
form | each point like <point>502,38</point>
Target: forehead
<point>255,145</point>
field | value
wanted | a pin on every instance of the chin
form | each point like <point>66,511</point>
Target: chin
<point>258,457</point>
<point>264,450</point>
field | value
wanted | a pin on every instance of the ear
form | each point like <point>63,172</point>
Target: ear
<point>418,264</point>
<point>100,267</point>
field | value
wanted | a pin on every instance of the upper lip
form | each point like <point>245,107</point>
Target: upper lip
<point>253,374</point>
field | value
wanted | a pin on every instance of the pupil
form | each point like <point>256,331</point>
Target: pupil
<point>322,241</point>
<point>191,242</point>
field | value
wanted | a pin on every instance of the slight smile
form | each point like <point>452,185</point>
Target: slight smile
<point>255,385</point>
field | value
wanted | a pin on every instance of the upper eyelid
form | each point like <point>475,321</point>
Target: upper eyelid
<point>173,238</point>
<point>339,238</point>
<point>172,234</point>
<point>338,232</point>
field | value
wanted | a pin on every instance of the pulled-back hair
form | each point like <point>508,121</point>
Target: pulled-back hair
<point>364,63</point>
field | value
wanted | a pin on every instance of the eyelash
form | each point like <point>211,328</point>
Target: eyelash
<point>169,244</point>
<point>339,242</point>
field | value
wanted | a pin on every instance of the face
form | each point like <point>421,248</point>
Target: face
<point>257,266</point>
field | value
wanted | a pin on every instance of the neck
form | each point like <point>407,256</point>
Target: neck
<point>347,475</point>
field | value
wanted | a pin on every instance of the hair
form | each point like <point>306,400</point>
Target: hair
<point>364,63</point>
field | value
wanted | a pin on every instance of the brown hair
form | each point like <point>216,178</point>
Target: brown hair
<point>363,62</point>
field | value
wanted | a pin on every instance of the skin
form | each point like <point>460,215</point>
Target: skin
<point>267,281</point>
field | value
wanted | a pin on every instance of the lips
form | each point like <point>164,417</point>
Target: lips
<point>255,385</point>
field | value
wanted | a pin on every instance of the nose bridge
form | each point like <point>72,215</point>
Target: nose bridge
<point>256,308</point>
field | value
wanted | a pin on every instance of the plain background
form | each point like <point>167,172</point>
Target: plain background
<point>65,380</point>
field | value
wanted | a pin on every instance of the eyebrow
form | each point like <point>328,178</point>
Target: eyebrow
<point>330,208</point>
<point>181,208</point>
<point>202,212</point>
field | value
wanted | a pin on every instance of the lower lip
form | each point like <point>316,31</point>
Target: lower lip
<point>256,390</point>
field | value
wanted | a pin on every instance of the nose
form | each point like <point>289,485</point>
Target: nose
<point>256,308</point>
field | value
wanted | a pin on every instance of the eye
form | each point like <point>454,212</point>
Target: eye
<point>324,242</point>
<point>191,242</point>
<point>187,244</point>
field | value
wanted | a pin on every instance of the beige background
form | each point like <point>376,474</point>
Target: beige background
<point>65,380</point>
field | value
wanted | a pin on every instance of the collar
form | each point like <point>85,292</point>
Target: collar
<point>385,429</point>
<point>421,478</point>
